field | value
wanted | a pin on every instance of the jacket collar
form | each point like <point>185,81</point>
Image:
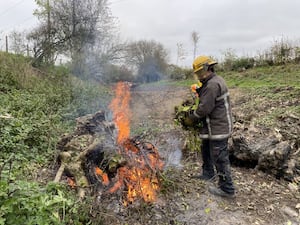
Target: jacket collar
<point>208,78</point>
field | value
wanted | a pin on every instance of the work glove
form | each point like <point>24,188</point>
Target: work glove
<point>190,120</point>
<point>192,117</point>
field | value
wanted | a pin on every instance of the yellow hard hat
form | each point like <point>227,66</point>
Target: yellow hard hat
<point>201,61</point>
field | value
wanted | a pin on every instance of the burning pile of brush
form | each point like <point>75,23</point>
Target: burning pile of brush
<point>101,157</point>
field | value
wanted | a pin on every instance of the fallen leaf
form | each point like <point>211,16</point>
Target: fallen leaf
<point>207,210</point>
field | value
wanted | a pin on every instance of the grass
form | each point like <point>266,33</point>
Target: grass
<point>275,76</point>
<point>37,107</point>
<point>176,83</point>
<point>259,77</point>
<point>270,92</point>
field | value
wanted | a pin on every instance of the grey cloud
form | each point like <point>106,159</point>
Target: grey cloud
<point>246,26</point>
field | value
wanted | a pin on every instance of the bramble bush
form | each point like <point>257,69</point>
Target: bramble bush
<point>37,107</point>
<point>29,203</point>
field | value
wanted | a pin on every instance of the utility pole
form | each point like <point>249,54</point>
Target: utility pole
<point>27,50</point>
<point>48,44</point>
<point>6,43</point>
<point>73,17</point>
<point>195,39</point>
<point>48,20</point>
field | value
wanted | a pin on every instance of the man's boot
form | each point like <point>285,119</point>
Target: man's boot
<point>219,192</point>
<point>205,176</point>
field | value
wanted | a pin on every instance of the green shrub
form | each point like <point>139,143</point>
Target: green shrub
<point>37,107</point>
<point>243,63</point>
<point>28,203</point>
<point>177,73</point>
<point>30,129</point>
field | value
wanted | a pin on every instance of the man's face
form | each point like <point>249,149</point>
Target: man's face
<point>201,74</point>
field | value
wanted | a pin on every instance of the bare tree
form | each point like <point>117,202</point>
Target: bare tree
<point>18,42</point>
<point>149,58</point>
<point>195,39</point>
<point>181,54</point>
<point>43,50</point>
<point>70,27</point>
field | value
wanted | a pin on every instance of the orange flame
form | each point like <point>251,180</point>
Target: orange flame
<point>139,176</point>
<point>121,111</point>
<point>139,182</point>
<point>71,182</point>
<point>104,176</point>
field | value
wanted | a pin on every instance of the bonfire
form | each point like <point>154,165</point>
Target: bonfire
<point>100,155</point>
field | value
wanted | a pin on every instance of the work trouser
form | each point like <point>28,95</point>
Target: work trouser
<point>215,154</point>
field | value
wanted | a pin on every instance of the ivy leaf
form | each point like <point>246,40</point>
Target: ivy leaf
<point>207,210</point>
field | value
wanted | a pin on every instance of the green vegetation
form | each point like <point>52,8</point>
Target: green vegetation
<point>267,76</point>
<point>270,104</point>
<point>177,83</point>
<point>258,77</point>
<point>265,87</point>
<point>24,202</point>
<point>37,107</point>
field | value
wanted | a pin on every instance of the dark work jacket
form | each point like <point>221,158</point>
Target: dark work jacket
<point>214,109</point>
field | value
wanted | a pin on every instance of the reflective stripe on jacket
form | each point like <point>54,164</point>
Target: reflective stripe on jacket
<point>214,109</point>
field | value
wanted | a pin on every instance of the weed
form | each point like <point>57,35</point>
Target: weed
<point>37,107</point>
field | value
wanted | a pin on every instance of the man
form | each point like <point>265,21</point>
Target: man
<point>214,111</point>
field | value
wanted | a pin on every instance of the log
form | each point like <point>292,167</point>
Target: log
<point>59,173</point>
<point>91,158</point>
<point>83,149</point>
<point>262,149</point>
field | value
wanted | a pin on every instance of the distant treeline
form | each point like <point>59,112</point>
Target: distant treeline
<point>280,53</point>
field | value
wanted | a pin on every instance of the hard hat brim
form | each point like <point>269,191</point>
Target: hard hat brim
<point>198,69</point>
<point>213,63</point>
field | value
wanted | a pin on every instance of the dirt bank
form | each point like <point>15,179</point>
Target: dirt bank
<point>260,199</point>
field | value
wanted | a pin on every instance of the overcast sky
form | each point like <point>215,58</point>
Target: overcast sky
<point>246,26</point>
